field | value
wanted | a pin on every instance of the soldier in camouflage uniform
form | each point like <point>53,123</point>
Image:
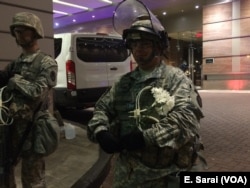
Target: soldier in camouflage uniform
<point>29,83</point>
<point>151,116</point>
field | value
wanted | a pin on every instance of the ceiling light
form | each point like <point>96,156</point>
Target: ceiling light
<point>70,4</point>
<point>60,12</point>
<point>227,1</point>
<point>197,6</point>
<point>107,1</point>
<point>164,13</point>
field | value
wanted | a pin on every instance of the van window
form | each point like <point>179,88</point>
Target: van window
<point>57,46</point>
<point>101,49</point>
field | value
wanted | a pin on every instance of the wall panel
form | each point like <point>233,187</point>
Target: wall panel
<point>245,10</point>
<point>220,65</point>
<point>221,12</point>
<point>245,64</point>
<point>245,27</point>
<point>226,39</point>
<point>217,31</point>
<point>245,46</point>
<point>217,48</point>
<point>41,5</point>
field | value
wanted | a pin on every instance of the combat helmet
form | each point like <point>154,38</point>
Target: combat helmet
<point>27,19</point>
<point>134,21</point>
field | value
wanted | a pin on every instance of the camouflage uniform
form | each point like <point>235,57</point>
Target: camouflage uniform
<point>29,82</point>
<point>169,142</point>
<point>151,116</point>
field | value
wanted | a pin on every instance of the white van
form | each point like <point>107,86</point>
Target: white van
<point>88,64</point>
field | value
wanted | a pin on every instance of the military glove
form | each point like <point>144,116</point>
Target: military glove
<point>133,141</point>
<point>108,142</point>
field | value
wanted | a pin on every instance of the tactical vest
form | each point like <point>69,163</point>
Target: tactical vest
<point>20,106</point>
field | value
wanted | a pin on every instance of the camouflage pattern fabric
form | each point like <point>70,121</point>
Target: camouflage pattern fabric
<point>27,19</point>
<point>30,83</point>
<point>130,172</point>
<point>30,86</point>
<point>170,136</point>
<point>29,80</point>
<point>46,133</point>
<point>33,173</point>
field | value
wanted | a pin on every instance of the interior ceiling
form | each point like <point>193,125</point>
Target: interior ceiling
<point>99,9</point>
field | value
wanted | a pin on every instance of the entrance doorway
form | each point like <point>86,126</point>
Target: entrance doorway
<point>185,52</point>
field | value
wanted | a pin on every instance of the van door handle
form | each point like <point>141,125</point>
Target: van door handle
<point>113,68</point>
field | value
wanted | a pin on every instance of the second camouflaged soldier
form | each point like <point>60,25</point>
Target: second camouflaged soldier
<point>28,79</point>
<point>151,116</point>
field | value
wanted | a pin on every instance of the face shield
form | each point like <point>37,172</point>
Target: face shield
<point>132,17</point>
<point>128,11</point>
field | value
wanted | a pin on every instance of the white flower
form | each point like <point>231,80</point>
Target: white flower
<point>163,98</point>
<point>163,104</point>
<point>161,95</point>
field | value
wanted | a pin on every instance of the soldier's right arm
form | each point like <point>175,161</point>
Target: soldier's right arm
<point>101,117</point>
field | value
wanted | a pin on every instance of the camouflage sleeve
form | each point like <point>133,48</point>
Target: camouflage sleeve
<point>102,114</point>
<point>46,79</point>
<point>182,123</point>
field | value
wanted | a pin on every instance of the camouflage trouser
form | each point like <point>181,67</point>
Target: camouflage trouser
<point>129,172</point>
<point>164,182</point>
<point>32,173</point>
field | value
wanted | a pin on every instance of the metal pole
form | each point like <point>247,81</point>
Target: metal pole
<point>191,61</point>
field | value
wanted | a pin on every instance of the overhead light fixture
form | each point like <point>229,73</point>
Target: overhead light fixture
<point>60,12</point>
<point>70,5</point>
<point>107,1</point>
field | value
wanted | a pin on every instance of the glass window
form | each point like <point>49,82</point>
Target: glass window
<point>101,49</point>
<point>57,46</point>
